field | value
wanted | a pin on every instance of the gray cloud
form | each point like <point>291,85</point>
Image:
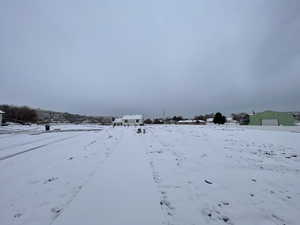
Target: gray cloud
<point>181,57</point>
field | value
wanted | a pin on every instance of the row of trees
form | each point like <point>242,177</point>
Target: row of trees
<point>18,114</point>
<point>218,118</point>
<point>25,114</point>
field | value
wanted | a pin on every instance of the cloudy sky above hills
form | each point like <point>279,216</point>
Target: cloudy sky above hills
<point>182,57</point>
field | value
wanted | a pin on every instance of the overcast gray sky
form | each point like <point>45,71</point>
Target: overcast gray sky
<point>182,57</point>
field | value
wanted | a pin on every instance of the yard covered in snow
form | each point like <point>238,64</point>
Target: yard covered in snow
<point>172,175</point>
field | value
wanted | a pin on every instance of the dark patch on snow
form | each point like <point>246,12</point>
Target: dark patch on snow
<point>291,156</point>
<point>208,182</point>
<point>225,219</point>
<point>279,219</point>
<point>158,152</point>
<point>156,177</point>
<point>56,211</point>
<point>50,180</point>
<point>18,215</point>
<point>216,215</point>
<point>166,203</point>
<point>225,203</point>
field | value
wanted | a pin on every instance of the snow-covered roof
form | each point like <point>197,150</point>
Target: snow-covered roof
<point>190,121</point>
<point>210,119</point>
<point>186,121</point>
<point>118,120</point>
<point>132,117</point>
<point>1,112</point>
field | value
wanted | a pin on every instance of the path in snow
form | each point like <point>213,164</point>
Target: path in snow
<point>122,192</point>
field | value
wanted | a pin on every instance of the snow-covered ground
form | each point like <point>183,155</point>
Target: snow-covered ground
<point>175,175</point>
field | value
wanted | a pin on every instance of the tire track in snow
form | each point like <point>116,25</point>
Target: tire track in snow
<point>35,148</point>
<point>11,133</point>
<point>167,207</point>
<point>111,147</point>
<point>26,143</point>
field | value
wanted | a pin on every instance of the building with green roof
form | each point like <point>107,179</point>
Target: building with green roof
<point>271,118</point>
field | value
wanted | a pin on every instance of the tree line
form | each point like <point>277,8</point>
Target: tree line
<point>218,118</point>
<point>19,114</point>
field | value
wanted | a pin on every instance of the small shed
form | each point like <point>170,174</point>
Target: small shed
<point>1,117</point>
<point>271,118</point>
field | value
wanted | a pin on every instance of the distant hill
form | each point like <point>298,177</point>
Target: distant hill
<point>25,114</point>
<point>64,117</point>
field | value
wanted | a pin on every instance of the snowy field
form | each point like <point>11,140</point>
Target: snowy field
<point>172,175</point>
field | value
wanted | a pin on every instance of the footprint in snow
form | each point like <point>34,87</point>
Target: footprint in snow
<point>50,180</point>
<point>223,204</point>
<point>56,211</point>
<point>18,215</point>
<point>216,215</point>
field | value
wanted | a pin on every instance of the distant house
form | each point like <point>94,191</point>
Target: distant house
<point>133,120</point>
<point>169,121</point>
<point>271,118</point>
<point>129,120</point>
<point>1,117</point>
<point>118,122</point>
<point>191,122</point>
<point>230,120</point>
<point>210,120</point>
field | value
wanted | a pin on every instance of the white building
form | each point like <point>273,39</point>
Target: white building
<point>129,120</point>
<point>118,122</point>
<point>1,117</point>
